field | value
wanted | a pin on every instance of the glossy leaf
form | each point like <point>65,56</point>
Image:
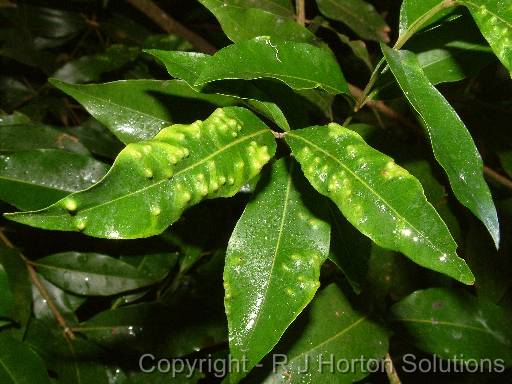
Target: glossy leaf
<point>91,274</point>
<point>137,110</point>
<point>21,137</point>
<point>173,332</point>
<point>494,18</point>
<point>299,65</point>
<point>453,323</point>
<point>188,66</point>
<point>244,20</point>
<point>358,15</point>
<point>65,302</point>
<point>412,10</point>
<point>272,265</point>
<point>90,68</point>
<point>34,179</point>
<point>381,199</point>
<point>452,144</point>
<point>154,181</point>
<point>19,364</point>
<point>330,330</point>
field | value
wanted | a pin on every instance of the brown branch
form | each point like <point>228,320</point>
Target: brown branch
<point>169,25</point>
<point>380,106</point>
<point>41,288</point>
<point>493,175</point>
<point>391,371</point>
<point>301,12</point>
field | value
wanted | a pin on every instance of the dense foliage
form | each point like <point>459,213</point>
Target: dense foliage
<point>268,192</point>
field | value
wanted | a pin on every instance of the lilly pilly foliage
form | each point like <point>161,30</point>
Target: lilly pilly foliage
<point>249,205</point>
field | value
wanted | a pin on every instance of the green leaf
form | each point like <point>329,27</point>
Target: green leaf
<point>492,268</point>
<point>91,274</point>
<point>167,42</point>
<point>34,179</point>
<point>176,331</point>
<point>152,182</point>
<point>137,110</point>
<point>19,284</point>
<point>381,199</point>
<point>494,18</point>
<point>97,138</point>
<point>188,66</point>
<point>453,323</point>
<point>65,302</point>
<point>91,67</point>
<point>358,15</point>
<point>506,161</point>
<point>272,265</point>
<point>450,52</point>
<point>452,144</point>
<point>19,364</point>
<point>350,250</point>
<point>15,118</point>
<point>277,7</point>
<point>156,265</point>
<point>22,137</point>
<point>299,65</point>
<point>246,21</point>
<point>412,10</point>
<point>331,330</point>
<point>6,298</point>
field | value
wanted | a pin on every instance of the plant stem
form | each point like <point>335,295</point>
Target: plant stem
<point>169,25</point>
<point>361,101</point>
<point>41,288</point>
<point>391,371</point>
<point>492,174</point>
<point>301,12</point>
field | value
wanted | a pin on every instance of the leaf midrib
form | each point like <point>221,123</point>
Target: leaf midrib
<point>445,323</point>
<point>328,340</point>
<point>278,242</point>
<point>78,271</point>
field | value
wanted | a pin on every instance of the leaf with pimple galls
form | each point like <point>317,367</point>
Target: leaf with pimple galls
<point>152,182</point>
<point>452,144</point>
<point>381,199</point>
<point>451,323</point>
<point>272,263</point>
